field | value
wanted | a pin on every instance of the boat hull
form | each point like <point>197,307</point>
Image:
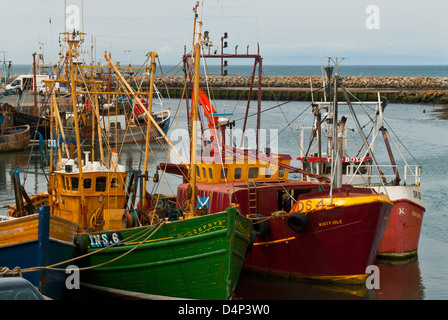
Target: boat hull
<point>197,258</point>
<point>401,238</point>
<point>15,138</point>
<point>338,244</point>
<point>38,240</point>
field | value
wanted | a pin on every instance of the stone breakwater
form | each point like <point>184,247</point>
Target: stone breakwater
<point>396,89</point>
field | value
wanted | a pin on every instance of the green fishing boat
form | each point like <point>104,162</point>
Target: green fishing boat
<point>159,259</point>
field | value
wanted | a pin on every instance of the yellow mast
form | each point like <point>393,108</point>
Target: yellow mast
<point>148,126</point>
<point>192,171</point>
<point>73,43</point>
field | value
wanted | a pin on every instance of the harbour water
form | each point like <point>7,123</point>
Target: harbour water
<point>418,128</point>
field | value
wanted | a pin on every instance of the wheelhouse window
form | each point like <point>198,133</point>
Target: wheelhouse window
<point>74,183</point>
<point>281,172</point>
<point>114,184</point>
<point>267,172</point>
<point>100,184</point>
<point>198,172</point>
<point>223,173</point>
<point>87,183</point>
<point>204,173</point>
<point>253,173</point>
<point>210,173</point>
<point>237,174</point>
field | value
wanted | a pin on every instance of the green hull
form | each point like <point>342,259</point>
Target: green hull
<point>197,258</point>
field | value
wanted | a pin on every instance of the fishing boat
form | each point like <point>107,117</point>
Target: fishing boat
<point>399,180</point>
<point>318,230</point>
<point>34,245</point>
<point>120,128</point>
<point>12,138</point>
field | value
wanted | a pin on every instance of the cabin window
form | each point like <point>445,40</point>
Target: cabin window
<point>253,173</point>
<point>281,172</point>
<point>63,183</point>
<point>327,168</point>
<point>237,174</point>
<point>67,183</point>
<point>198,172</point>
<point>116,125</point>
<point>210,173</point>
<point>114,184</point>
<point>204,173</point>
<point>267,172</point>
<point>100,185</point>
<point>223,173</point>
<point>75,184</point>
<point>87,183</point>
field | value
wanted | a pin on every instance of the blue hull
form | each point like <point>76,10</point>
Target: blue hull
<point>42,252</point>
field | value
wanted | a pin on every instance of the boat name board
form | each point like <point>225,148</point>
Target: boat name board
<point>305,206</point>
<point>104,239</point>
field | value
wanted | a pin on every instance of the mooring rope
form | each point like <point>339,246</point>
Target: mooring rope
<point>18,271</point>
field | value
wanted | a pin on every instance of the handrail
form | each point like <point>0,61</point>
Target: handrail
<point>410,171</point>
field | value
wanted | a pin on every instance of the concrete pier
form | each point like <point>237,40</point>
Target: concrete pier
<point>433,90</point>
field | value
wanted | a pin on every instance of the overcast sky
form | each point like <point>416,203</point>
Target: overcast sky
<point>288,31</point>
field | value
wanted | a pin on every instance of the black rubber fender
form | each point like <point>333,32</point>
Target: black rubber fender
<point>80,246</point>
<point>260,225</point>
<point>297,221</point>
<point>252,240</point>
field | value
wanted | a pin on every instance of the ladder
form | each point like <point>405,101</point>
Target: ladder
<point>252,197</point>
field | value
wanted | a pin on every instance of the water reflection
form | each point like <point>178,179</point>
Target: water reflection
<point>400,281</point>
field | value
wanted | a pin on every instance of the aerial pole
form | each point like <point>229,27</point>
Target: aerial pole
<point>34,85</point>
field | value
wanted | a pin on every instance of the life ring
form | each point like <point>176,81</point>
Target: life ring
<point>297,221</point>
<point>260,225</point>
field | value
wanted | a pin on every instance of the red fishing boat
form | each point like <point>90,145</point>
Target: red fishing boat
<point>398,179</point>
<point>308,229</point>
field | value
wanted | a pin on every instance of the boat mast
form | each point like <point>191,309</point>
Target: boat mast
<point>148,126</point>
<point>73,44</point>
<point>197,60</point>
<point>337,134</point>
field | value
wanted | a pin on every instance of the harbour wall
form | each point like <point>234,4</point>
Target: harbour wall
<point>431,90</point>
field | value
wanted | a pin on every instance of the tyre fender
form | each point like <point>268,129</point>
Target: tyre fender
<point>260,225</point>
<point>297,221</point>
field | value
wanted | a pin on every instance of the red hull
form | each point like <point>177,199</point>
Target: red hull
<point>403,230</point>
<point>338,243</point>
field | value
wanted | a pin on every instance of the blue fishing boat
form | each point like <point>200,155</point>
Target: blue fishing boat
<point>28,245</point>
<point>31,243</point>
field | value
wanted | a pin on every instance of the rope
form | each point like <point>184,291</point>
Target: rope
<point>18,270</point>
<point>274,215</point>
